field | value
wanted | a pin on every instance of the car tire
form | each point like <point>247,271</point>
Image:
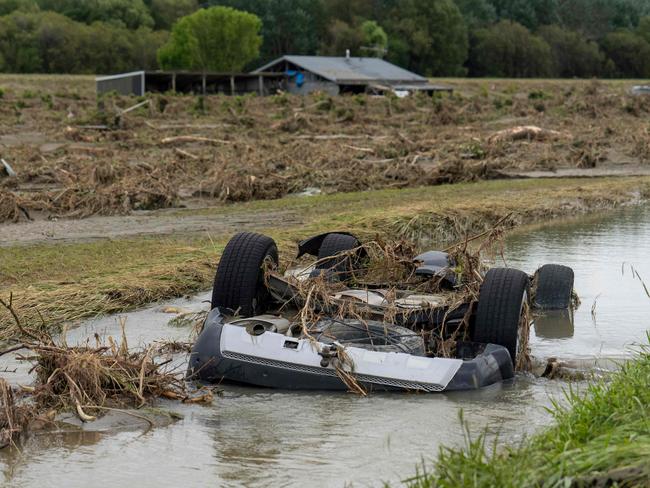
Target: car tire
<point>333,245</point>
<point>554,286</point>
<point>371,335</point>
<point>500,304</point>
<point>239,282</point>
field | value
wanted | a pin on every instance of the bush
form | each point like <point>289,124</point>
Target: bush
<point>214,39</point>
<point>428,37</point>
<point>122,13</point>
<point>508,49</point>
<point>573,54</point>
<point>630,54</point>
<point>47,42</point>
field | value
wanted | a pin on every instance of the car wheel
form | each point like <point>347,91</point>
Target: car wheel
<point>500,305</point>
<point>334,244</point>
<point>554,286</point>
<point>239,281</point>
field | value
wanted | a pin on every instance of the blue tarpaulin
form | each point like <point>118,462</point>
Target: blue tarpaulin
<point>300,77</point>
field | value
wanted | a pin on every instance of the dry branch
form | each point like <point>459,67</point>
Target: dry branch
<point>528,132</point>
<point>186,139</point>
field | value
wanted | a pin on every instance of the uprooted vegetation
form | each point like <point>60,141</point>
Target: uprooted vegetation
<point>79,161</point>
<point>88,379</point>
<point>385,271</point>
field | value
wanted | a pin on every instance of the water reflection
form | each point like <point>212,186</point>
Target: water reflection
<point>554,324</point>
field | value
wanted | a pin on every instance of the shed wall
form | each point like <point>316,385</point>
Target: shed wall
<point>129,84</point>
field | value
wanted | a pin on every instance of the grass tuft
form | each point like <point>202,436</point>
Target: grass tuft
<point>601,437</point>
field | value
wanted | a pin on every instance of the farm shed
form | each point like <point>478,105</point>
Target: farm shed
<point>141,82</point>
<point>334,75</point>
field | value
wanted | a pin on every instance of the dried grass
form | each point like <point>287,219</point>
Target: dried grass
<point>389,265</point>
<point>273,146</point>
<point>87,379</point>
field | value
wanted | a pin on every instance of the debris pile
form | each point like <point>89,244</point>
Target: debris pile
<point>241,148</point>
<point>88,379</point>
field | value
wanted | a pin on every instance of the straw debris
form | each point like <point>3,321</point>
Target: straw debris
<point>87,379</point>
<point>387,267</point>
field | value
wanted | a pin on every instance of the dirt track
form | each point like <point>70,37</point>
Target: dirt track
<point>140,224</point>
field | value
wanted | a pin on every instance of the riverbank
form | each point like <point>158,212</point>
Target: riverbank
<point>59,280</point>
<point>599,438</point>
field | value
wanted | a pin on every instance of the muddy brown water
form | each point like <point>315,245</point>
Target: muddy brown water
<point>253,437</point>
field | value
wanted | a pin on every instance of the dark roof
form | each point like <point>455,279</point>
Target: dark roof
<point>350,70</point>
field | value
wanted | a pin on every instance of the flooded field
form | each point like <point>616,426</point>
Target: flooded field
<point>251,437</point>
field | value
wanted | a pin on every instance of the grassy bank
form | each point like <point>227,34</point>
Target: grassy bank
<point>601,438</point>
<point>67,282</point>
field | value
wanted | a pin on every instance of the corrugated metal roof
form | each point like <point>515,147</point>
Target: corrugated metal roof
<point>342,69</point>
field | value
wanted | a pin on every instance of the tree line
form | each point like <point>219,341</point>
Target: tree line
<point>500,38</point>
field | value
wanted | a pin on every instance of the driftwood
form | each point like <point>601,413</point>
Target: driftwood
<point>328,137</point>
<point>529,132</point>
<point>185,126</point>
<point>184,139</point>
<point>136,106</point>
<point>6,169</point>
<point>186,154</point>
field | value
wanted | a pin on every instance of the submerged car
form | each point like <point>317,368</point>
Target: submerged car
<point>294,331</point>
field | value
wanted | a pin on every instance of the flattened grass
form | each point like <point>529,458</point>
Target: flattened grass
<point>70,281</point>
<point>600,438</point>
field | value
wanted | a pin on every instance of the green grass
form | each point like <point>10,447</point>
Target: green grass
<point>600,437</point>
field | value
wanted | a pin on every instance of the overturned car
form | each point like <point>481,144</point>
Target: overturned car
<point>349,321</point>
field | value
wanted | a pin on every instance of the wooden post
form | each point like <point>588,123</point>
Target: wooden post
<point>174,82</point>
<point>232,85</point>
<point>260,85</point>
<point>203,84</point>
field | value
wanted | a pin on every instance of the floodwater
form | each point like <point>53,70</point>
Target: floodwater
<point>252,437</point>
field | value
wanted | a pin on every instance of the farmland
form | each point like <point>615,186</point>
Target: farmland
<point>76,156</point>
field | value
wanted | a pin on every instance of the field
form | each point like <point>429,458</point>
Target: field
<point>111,210</point>
<point>76,156</point>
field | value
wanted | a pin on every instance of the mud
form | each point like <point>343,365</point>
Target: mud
<point>139,224</point>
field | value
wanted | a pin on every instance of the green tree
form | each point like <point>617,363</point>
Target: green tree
<point>427,36</point>
<point>288,26</point>
<point>213,39</point>
<point>595,18</point>
<point>9,6</point>
<point>573,54</point>
<point>48,42</point>
<point>644,28</point>
<point>109,49</point>
<point>125,13</point>
<point>60,40</point>
<point>629,52</point>
<point>166,12</point>
<point>530,13</point>
<point>508,49</point>
<point>18,45</point>
<point>365,39</point>
<point>340,37</point>
<point>375,39</point>
<point>477,13</point>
